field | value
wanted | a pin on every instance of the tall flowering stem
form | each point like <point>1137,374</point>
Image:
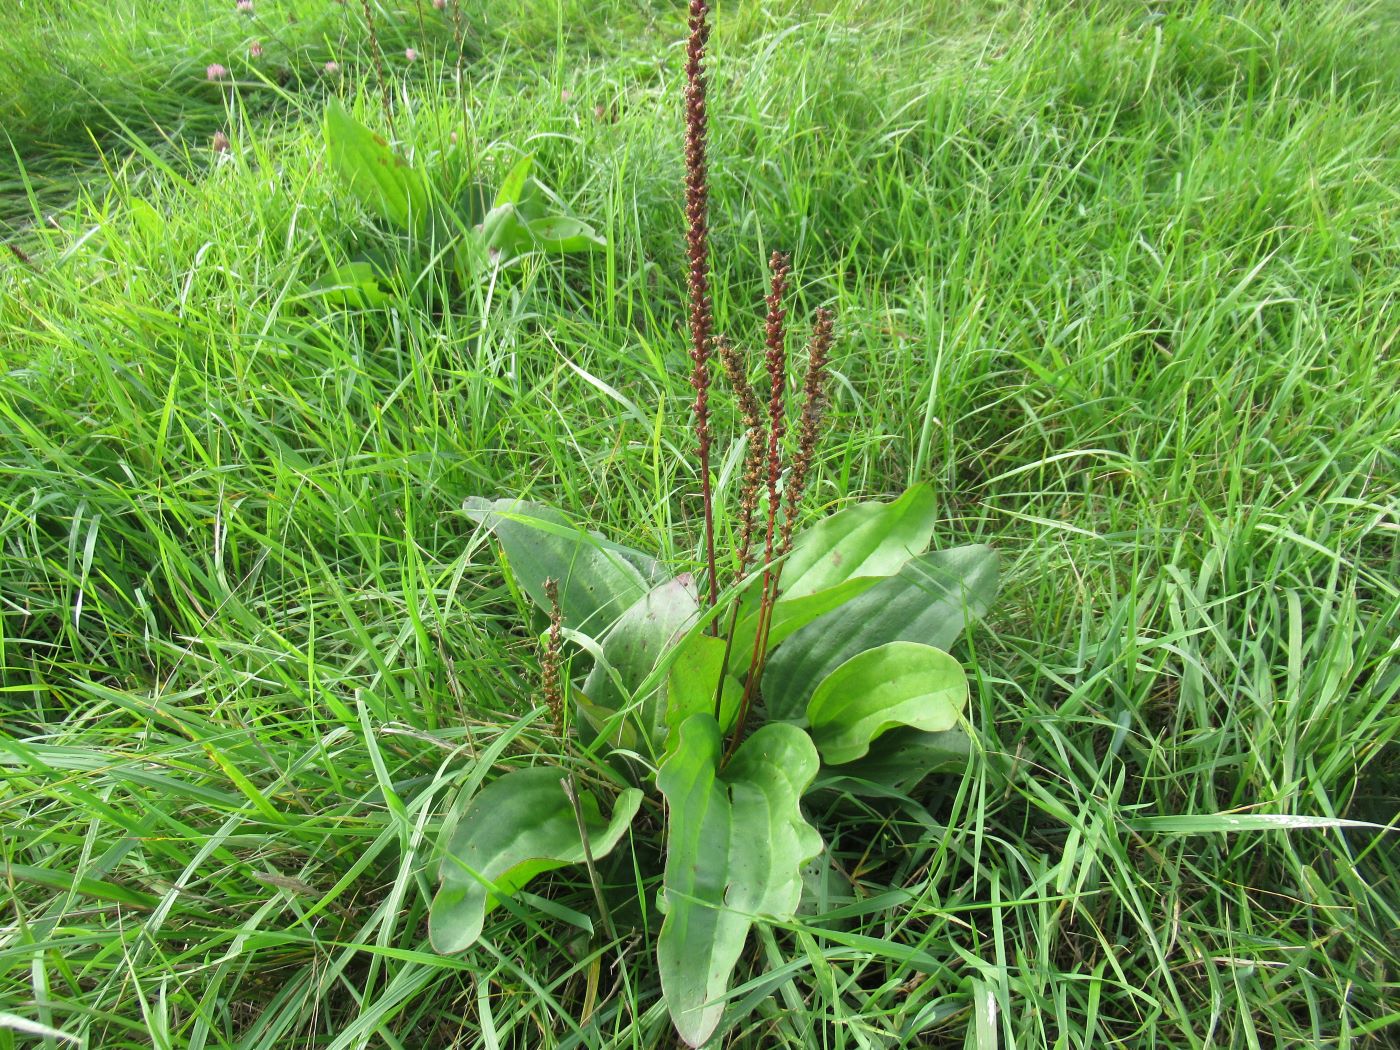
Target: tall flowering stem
<point>378,67</point>
<point>697,241</point>
<point>549,663</point>
<point>755,451</point>
<point>813,407</point>
<point>775,342</point>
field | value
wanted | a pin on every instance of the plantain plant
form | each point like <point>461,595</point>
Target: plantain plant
<point>475,232</point>
<point>821,662</point>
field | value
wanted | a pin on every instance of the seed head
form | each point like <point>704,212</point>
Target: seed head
<point>220,143</point>
<point>775,338</point>
<point>549,662</point>
<point>697,242</point>
<point>813,406</point>
<point>754,452</point>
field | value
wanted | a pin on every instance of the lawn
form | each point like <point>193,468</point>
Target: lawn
<point>1120,281</point>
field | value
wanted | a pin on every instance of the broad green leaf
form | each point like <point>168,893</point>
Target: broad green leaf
<point>789,615</point>
<point>563,233</point>
<point>837,559</point>
<point>382,180</point>
<point>536,201</point>
<point>895,684</point>
<point>597,580</point>
<point>513,186</point>
<point>631,650</point>
<point>353,284</point>
<point>516,828</point>
<point>691,685</point>
<point>898,760</point>
<point>737,844</point>
<point>929,600</point>
<point>868,539</point>
<point>621,732</point>
<point>502,231</point>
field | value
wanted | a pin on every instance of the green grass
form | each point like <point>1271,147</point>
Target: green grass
<point>1125,285</point>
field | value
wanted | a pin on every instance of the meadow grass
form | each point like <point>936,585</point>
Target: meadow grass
<point>1123,282</point>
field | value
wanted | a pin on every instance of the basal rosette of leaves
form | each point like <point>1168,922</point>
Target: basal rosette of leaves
<point>857,691</point>
<point>473,234</point>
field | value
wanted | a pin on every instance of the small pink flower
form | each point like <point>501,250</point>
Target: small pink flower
<point>221,144</point>
<point>410,54</point>
<point>564,96</point>
<point>215,72</point>
<point>332,68</point>
<point>439,4</point>
<point>452,138</point>
<point>255,50</point>
<point>245,7</point>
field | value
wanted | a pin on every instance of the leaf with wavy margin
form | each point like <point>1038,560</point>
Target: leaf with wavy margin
<point>737,845</point>
<point>896,684</point>
<point>517,827</point>
<point>929,600</point>
<point>836,560</point>
<point>598,580</point>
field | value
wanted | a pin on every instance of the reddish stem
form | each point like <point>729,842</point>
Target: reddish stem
<point>697,197</point>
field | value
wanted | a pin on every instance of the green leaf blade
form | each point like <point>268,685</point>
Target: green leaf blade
<point>898,760</point>
<point>896,684</point>
<point>868,539</point>
<point>930,600</point>
<point>379,178</point>
<point>737,845</point>
<point>836,561</point>
<point>564,235</point>
<point>355,283</point>
<point>517,827</point>
<point>790,615</point>
<point>513,185</point>
<point>693,682</point>
<point>597,580</point>
<point>631,650</point>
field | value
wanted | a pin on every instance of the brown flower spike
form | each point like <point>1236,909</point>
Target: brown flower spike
<point>549,662</point>
<point>813,406</point>
<point>775,339</point>
<point>763,460</point>
<point>755,452</point>
<point>697,242</point>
